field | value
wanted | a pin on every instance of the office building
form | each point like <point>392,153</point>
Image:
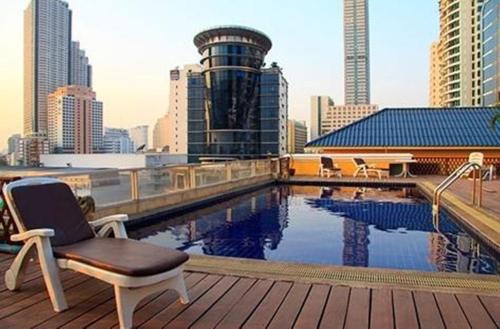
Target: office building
<point>356,52</point>
<point>13,143</point>
<point>47,39</point>
<point>80,68</point>
<point>117,140</point>
<point>434,76</point>
<point>232,60</point>
<point>490,24</point>
<point>30,149</point>
<point>297,136</point>
<point>74,120</point>
<point>139,137</point>
<point>459,53</point>
<point>327,117</point>
<point>273,111</point>
<point>186,95</point>
<point>159,135</point>
<point>320,105</point>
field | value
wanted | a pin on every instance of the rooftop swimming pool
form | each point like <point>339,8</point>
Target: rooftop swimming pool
<point>352,226</point>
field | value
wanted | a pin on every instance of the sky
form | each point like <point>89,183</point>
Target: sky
<point>133,44</point>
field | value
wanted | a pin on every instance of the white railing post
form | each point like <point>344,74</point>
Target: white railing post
<point>134,185</point>
<point>229,176</point>
<point>192,177</point>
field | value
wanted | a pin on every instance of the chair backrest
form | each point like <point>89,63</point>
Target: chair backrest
<point>476,157</point>
<point>47,203</point>
<point>359,162</point>
<point>327,163</point>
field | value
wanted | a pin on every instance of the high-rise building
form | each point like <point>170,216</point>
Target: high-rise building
<point>30,149</point>
<point>47,39</point>
<point>117,140</point>
<point>80,69</point>
<point>434,76</point>
<point>13,143</point>
<point>273,111</point>
<point>327,117</point>
<point>139,136</point>
<point>320,105</point>
<point>74,120</point>
<point>297,136</point>
<point>228,124</point>
<point>459,53</point>
<point>490,24</point>
<point>159,135</point>
<point>356,52</point>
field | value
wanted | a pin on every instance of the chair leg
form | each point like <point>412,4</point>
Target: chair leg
<point>365,172</point>
<point>356,172</point>
<point>15,274</point>
<point>179,285</point>
<point>50,273</point>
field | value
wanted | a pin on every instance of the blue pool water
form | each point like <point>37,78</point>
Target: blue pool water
<point>351,226</point>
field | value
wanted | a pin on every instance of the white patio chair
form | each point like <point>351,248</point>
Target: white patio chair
<point>50,221</point>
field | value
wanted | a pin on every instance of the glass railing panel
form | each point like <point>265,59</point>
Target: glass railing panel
<point>241,169</point>
<point>209,174</point>
<point>107,187</point>
<point>262,167</point>
<point>159,181</point>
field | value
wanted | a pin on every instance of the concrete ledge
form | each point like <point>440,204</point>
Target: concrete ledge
<point>345,275</point>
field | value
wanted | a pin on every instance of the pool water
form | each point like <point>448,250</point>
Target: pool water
<point>352,226</point>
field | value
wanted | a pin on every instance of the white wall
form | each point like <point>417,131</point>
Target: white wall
<point>118,161</point>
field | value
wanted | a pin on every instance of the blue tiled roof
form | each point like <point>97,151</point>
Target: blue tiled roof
<point>417,127</point>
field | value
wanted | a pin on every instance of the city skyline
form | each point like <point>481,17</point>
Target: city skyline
<point>122,68</point>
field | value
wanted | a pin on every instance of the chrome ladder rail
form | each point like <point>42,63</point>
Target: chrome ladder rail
<point>456,175</point>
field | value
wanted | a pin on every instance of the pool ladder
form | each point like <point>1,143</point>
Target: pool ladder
<point>456,175</point>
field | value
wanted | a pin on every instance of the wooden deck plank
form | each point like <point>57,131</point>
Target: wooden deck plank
<point>244,308</point>
<point>492,305</point>
<point>336,308</point>
<point>38,297</point>
<point>451,312</point>
<point>311,313</point>
<point>41,312</point>
<point>213,316</point>
<point>265,311</point>
<point>427,310</point>
<point>195,310</point>
<point>111,318</point>
<point>475,312</point>
<point>78,310</point>
<point>405,313</point>
<point>170,312</point>
<point>165,299</point>
<point>382,314</point>
<point>358,309</point>
<point>291,306</point>
<point>28,289</point>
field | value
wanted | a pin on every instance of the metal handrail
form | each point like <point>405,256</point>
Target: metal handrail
<point>456,175</point>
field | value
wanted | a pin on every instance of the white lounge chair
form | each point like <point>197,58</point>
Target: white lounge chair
<point>50,221</point>
<point>363,167</point>
<point>327,167</point>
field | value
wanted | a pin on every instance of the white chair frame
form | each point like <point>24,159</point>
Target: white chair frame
<point>366,170</point>
<point>328,172</point>
<point>129,290</point>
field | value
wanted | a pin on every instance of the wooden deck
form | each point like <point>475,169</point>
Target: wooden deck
<point>221,301</point>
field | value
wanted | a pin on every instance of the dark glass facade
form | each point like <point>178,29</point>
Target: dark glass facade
<point>232,58</point>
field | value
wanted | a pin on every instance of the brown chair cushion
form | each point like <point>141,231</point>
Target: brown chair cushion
<point>124,256</point>
<point>52,206</point>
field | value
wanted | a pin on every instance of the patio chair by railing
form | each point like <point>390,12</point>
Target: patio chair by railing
<point>50,220</point>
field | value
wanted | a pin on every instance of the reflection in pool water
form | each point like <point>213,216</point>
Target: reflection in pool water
<point>326,225</point>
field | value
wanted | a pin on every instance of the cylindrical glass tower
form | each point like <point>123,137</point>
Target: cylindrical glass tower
<point>232,60</point>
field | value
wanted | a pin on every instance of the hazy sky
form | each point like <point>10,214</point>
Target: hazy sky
<point>132,45</point>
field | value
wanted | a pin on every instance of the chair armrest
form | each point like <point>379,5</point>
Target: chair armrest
<point>41,232</point>
<point>109,219</point>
